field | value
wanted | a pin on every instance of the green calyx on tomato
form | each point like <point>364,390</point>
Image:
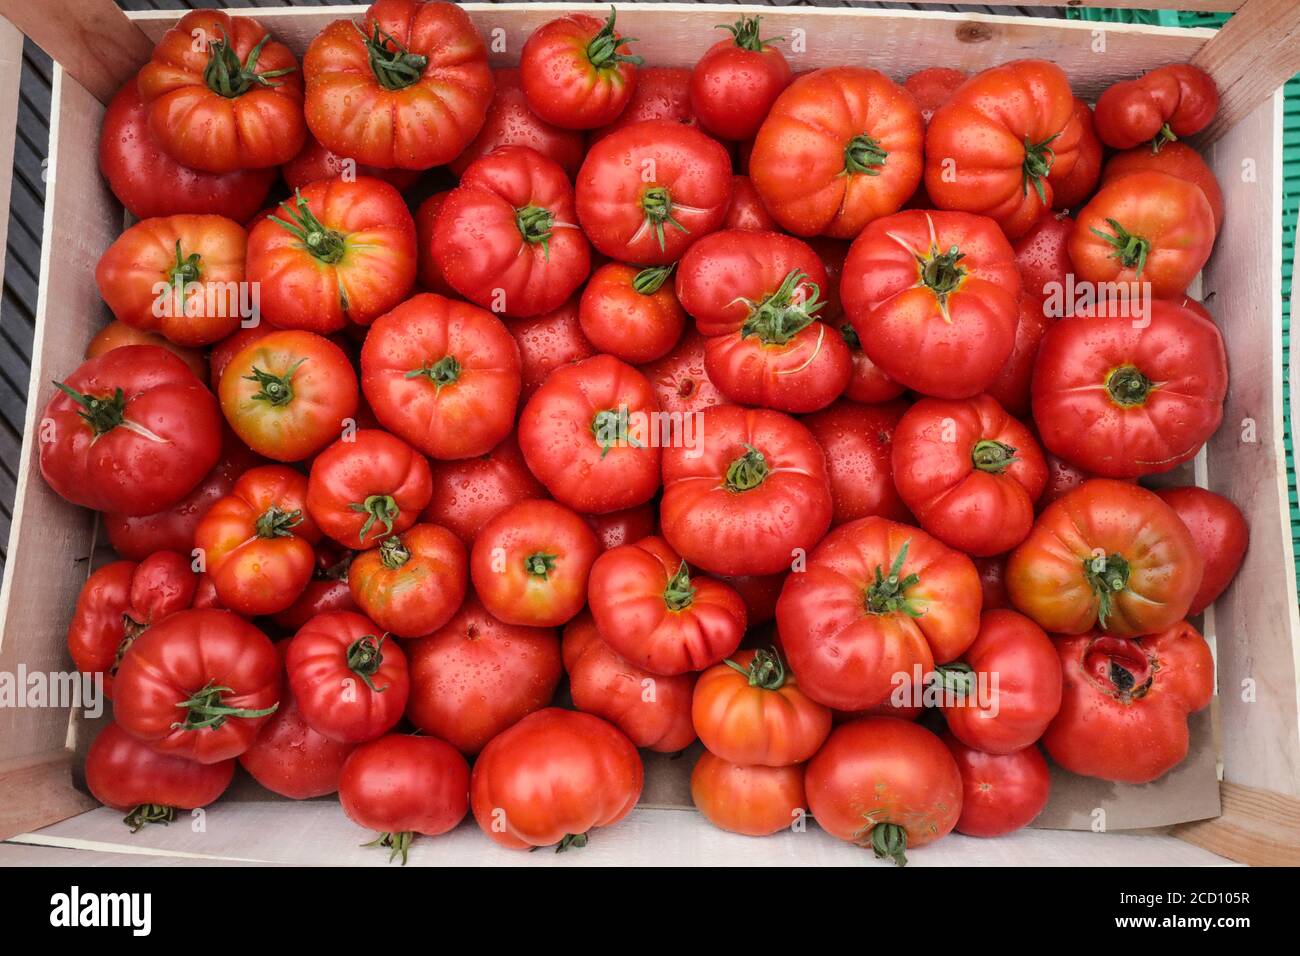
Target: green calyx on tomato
<point>748,471</point>
<point>1166,135</point>
<point>745,32</point>
<point>534,223</point>
<point>101,414</point>
<point>365,658</point>
<point>993,456</point>
<point>325,244</point>
<point>396,843</point>
<point>274,389</point>
<point>275,523</point>
<point>863,155</point>
<point>381,508</point>
<point>394,66</point>
<point>942,274</point>
<point>1128,387</point>
<point>1038,163</point>
<point>957,680</point>
<point>889,842</point>
<point>441,373</point>
<point>887,594</point>
<point>602,51</point>
<point>149,813</point>
<point>186,268</point>
<point>658,208</point>
<point>576,840</point>
<point>393,553</point>
<point>1119,667</point>
<point>610,428</point>
<point>204,709</point>
<point>540,564</point>
<point>679,592</point>
<point>650,280</point>
<point>766,670</point>
<point>1130,250</point>
<point>851,337</point>
<point>1107,575</point>
<point>786,312</point>
<point>227,77</point>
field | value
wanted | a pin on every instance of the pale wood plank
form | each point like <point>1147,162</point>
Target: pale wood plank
<point>1255,53</point>
<point>38,791</point>
<point>1257,827</point>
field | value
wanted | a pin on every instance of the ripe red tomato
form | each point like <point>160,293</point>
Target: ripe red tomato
<point>749,497</point>
<point>1175,159</point>
<point>1072,189</point>
<point>367,486</point>
<point>1147,226</point>
<point>427,269</point>
<point>662,92</point>
<point>1000,792</point>
<point>679,379</point>
<point>477,676</point>
<point>552,777</point>
<point>1043,254</point>
<point>1000,143</point>
<point>510,122</point>
<point>131,432</point>
<point>877,601</point>
<point>340,252</point>
<point>402,786</point>
<point>412,583</point>
<point>315,162</point>
<point>1062,478</point>
<point>1157,107</point>
<point>1107,554</point>
<point>530,563</point>
<point>258,541</point>
<point>840,148</point>
<point>867,383</point>
<point>408,87</point>
<point>933,297</point>
<point>747,210</point>
<point>326,591</point>
<point>117,334</point>
<point>884,783</point>
<point>969,472</point>
<point>1007,687</point>
<point>617,528</point>
<point>1124,397</point>
<point>858,441</point>
<point>759,592</point>
<point>349,686</point>
<point>647,191</point>
<point>577,72</point>
<point>591,434</point>
<point>222,95</point>
<point>1124,711</point>
<point>288,394</point>
<point>755,801</point>
<point>993,572</point>
<point>546,342</point>
<point>124,774</point>
<point>653,710</point>
<point>933,86</point>
<point>468,492</point>
<point>443,375</point>
<point>737,80</point>
<point>507,237</point>
<point>1221,535</point>
<point>216,669</point>
<point>1013,387</point>
<point>630,313</point>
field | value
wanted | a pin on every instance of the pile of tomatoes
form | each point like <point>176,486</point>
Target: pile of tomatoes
<point>761,458</point>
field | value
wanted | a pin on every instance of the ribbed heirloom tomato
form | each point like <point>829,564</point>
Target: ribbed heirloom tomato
<point>755,801</point>
<point>1000,792</point>
<point>1175,159</point>
<point>630,313</point>
<point>510,122</point>
<point>736,81</point>
<point>1157,108</point>
<point>858,442</point>
<point>578,72</point>
<point>1071,189</point>
<point>367,486</point>
<point>1013,386</point>
<point>1221,534</point>
<point>413,582</point>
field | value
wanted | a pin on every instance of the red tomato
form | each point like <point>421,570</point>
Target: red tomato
<point>289,394</point>
<point>408,87</point>
<point>840,148</point>
<point>340,252</point>
<point>759,592</point>
<point>1175,159</point>
<point>617,528</point>
<point>412,583</point>
<point>747,210</point>
<point>476,676</point>
<point>993,572</point>
<point>427,268</point>
<point>530,563</point>
<point>1043,254</point>
<point>349,686</point>
<point>749,497</point>
<point>1124,397</point>
<point>1124,711</point>
<point>218,671</point>
<point>315,162</point>
<point>552,777</point>
<point>737,80</point>
<point>877,601</point>
<point>258,541</point>
<point>326,591</point>
<point>577,72</point>
<point>443,375</point>
<point>1071,190</point>
<point>222,95</point>
<point>858,441</point>
<point>367,486</point>
<point>630,313</point>
<point>1012,389</point>
<point>148,182</point>
<point>511,123</point>
<point>652,221</point>
<point>1000,792</point>
<point>507,237</point>
<point>662,92</point>
<point>1146,226</point>
<point>1221,535</point>
<point>884,783</point>
<point>591,434</point>
<point>867,383</point>
<point>131,432</point>
<point>1062,478</point>
<point>468,492</point>
<point>1157,107</point>
<point>1007,687</point>
<point>679,379</point>
<point>933,86</point>
<point>1002,141</point>
<point>1107,554</point>
<point>653,710</point>
<point>117,334</point>
<point>755,801</point>
<point>969,472</point>
<point>546,342</point>
<point>222,352</point>
<point>933,297</point>
<point>402,786</point>
<point>124,774</point>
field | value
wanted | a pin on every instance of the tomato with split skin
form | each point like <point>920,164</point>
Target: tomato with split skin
<point>413,582</point>
<point>366,487</point>
<point>578,72</point>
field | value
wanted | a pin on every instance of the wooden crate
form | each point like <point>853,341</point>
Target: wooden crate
<point>1254,626</point>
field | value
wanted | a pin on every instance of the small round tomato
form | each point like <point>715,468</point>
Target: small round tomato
<point>403,785</point>
<point>412,583</point>
<point>258,541</point>
<point>289,394</point>
<point>476,676</point>
<point>1070,190</point>
<point>1013,387</point>
<point>1157,107</point>
<point>530,563</point>
<point>442,374</point>
<point>662,92</point>
<point>934,86</point>
<point>351,684</point>
<point>748,496</point>
<point>647,191</point>
<point>679,379</point>
<point>577,72</point>
<point>1043,255</point>
<point>858,441</point>
<point>1175,159</point>
<point>617,528</point>
<point>1000,792</point>
<point>546,342</point>
<point>755,801</point>
<point>427,269</point>
<point>510,122</point>
<point>552,777</point>
<point>367,486</point>
<point>630,313</point>
<point>1221,534</point>
<point>466,493</point>
<point>884,783</point>
<point>1108,554</point>
<point>737,80</point>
